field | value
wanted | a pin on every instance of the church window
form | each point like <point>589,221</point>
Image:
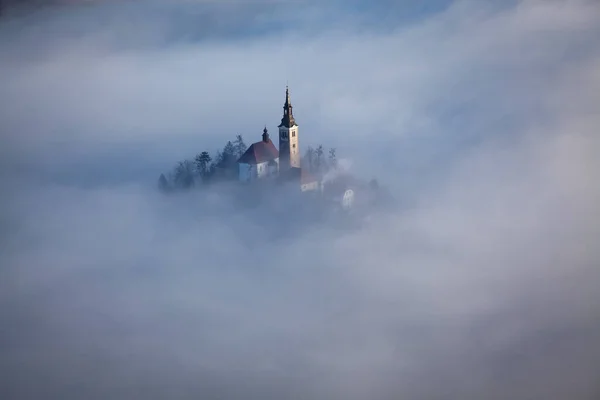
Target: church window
<point>293,133</point>
<point>294,145</point>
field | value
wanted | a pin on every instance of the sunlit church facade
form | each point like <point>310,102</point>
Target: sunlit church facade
<point>263,160</point>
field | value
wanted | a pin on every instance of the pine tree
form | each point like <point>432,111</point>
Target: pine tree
<point>319,158</point>
<point>184,174</point>
<point>240,146</point>
<point>228,161</point>
<point>309,158</point>
<point>218,158</point>
<point>202,161</point>
<point>163,184</point>
<point>332,158</point>
<point>373,184</point>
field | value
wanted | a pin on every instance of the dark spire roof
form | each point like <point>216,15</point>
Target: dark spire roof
<point>288,116</point>
<point>265,135</point>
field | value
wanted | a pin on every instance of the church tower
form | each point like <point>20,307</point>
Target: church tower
<point>289,151</point>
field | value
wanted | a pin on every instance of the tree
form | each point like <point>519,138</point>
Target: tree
<point>240,146</point>
<point>319,158</point>
<point>309,158</point>
<point>228,161</point>
<point>202,164</point>
<point>163,184</point>
<point>373,184</point>
<point>228,155</point>
<point>216,162</point>
<point>332,158</point>
<point>184,174</point>
<point>229,148</point>
<point>218,158</point>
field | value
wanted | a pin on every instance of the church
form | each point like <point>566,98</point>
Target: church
<point>262,160</point>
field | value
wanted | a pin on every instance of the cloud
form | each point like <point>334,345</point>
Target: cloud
<point>481,119</point>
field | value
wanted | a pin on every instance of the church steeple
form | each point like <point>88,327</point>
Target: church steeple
<point>265,135</point>
<point>287,96</point>
<point>289,148</point>
<point>288,116</point>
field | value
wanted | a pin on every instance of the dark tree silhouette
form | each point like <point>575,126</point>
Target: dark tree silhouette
<point>309,158</point>
<point>184,174</point>
<point>228,157</point>
<point>227,168</point>
<point>332,158</point>
<point>223,165</point>
<point>202,161</point>
<point>319,158</point>
<point>373,184</point>
<point>218,158</point>
<point>239,146</point>
<point>163,184</point>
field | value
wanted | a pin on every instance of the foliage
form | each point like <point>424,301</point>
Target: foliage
<point>184,174</point>
<point>202,161</point>
<point>319,158</point>
<point>373,184</point>
<point>239,146</point>
<point>228,156</point>
<point>309,159</point>
<point>314,160</point>
<point>163,184</point>
<point>332,158</point>
<point>205,169</point>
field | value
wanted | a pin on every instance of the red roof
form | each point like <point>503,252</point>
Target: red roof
<point>260,152</point>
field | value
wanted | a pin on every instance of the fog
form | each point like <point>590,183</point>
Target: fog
<point>480,117</point>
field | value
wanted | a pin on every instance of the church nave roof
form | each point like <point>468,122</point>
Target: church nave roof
<point>260,152</point>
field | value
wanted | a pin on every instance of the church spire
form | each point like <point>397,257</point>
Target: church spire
<point>288,103</point>
<point>265,135</point>
<point>288,116</point>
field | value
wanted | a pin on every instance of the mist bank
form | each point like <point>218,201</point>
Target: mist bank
<point>119,290</point>
<point>481,283</point>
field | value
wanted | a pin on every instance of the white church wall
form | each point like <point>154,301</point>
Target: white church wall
<point>246,172</point>
<point>273,170</point>
<point>250,172</point>
<point>294,147</point>
<point>262,169</point>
